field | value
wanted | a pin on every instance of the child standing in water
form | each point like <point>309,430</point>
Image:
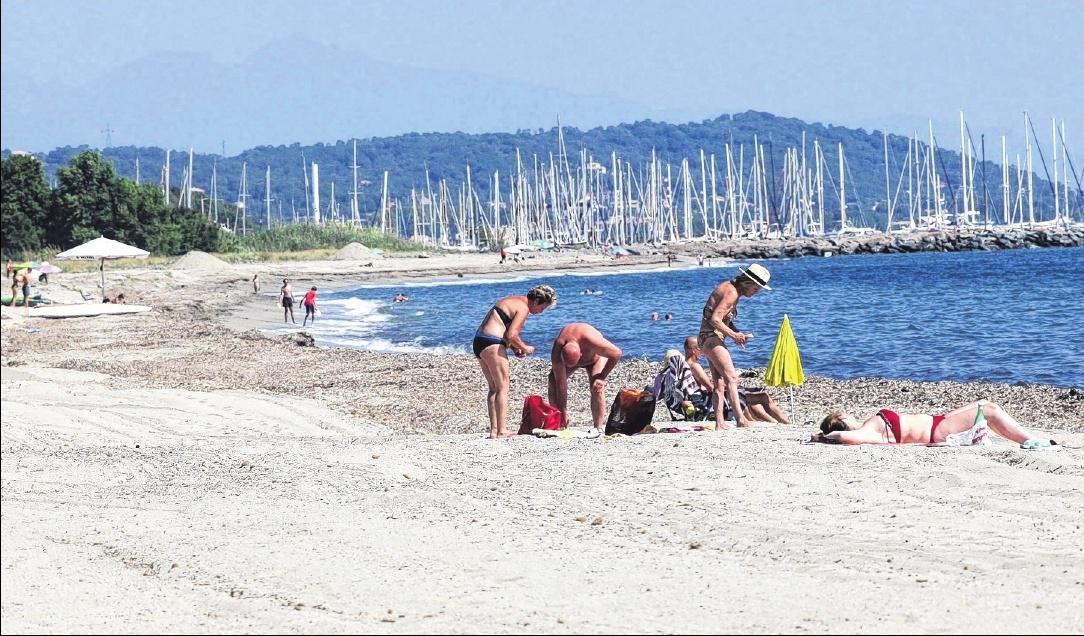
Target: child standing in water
<point>310,306</point>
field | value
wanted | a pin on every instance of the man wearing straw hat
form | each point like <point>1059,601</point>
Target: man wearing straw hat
<point>717,324</point>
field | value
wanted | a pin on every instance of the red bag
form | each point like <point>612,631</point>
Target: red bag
<point>537,413</point>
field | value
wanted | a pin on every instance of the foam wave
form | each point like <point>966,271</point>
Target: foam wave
<point>384,345</point>
<point>354,307</point>
<point>444,283</point>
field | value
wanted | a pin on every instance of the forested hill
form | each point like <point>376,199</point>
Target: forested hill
<point>446,155</point>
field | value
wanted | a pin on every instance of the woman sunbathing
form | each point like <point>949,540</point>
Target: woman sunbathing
<point>965,426</point>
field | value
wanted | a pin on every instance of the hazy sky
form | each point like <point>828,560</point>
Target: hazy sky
<point>850,63</point>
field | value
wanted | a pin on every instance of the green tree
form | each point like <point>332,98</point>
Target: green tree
<point>85,203</point>
<point>24,201</point>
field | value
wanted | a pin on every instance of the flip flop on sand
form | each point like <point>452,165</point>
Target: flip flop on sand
<point>1038,444</point>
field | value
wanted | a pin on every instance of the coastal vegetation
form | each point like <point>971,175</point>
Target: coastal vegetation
<point>91,200</point>
<point>410,159</point>
<point>70,195</point>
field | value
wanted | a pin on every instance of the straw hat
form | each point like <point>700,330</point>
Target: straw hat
<point>758,274</point>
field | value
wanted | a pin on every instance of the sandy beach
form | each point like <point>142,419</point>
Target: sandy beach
<point>178,471</point>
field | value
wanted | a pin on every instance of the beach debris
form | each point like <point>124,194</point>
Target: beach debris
<point>246,464</point>
<point>695,545</point>
<point>301,339</point>
<point>299,606</point>
<point>598,521</point>
<point>236,592</point>
<point>376,455</point>
<point>581,519</point>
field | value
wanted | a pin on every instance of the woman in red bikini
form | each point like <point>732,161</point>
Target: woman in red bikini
<point>962,427</point>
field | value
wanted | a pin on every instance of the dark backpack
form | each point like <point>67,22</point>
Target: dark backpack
<point>631,412</point>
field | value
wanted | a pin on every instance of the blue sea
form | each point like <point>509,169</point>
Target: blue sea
<point>1012,316</point>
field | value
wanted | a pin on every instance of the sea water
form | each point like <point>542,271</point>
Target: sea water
<point>1013,316</point>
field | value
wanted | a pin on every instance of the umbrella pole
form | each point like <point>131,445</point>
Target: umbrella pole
<point>790,392</point>
<point>101,268</point>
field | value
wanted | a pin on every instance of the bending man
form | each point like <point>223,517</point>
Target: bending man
<point>581,346</point>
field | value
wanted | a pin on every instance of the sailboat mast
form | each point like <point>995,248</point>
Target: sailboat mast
<point>316,193</point>
<point>1031,174</point>
<point>267,196</point>
<point>1054,152</point>
<point>384,206</point>
<point>355,211</point>
<point>888,191</point>
<point>842,192</point>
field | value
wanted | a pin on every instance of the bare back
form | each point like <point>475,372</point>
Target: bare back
<point>590,340</point>
<point>512,306</point>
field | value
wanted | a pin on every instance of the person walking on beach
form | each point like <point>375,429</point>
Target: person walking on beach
<point>255,283</point>
<point>500,330</point>
<point>581,346</point>
<point>504,255</point>
<point>286,299</point>
<point>717,324</point>
<point>22,279</point>
<point>12,274</point>
<point>310,306</point>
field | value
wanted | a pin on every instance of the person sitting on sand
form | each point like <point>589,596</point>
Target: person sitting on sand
<point>756,405</point>
<point>964,426</point>
<point>717,324</point>
<point>119,300</point>
<point>286,299</point>
<point>500,330</point>
<point>581,346</point>
<point>310,306</point>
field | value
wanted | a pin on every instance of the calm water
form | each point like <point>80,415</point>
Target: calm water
<point>1007,316</point>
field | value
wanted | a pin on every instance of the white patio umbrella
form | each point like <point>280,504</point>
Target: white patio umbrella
<point>99,250</point>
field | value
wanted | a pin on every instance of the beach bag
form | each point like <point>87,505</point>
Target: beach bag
<point>538,413</point>
<point>631,412</point>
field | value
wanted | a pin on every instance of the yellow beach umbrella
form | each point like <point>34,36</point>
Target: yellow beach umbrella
<point>785,367</point>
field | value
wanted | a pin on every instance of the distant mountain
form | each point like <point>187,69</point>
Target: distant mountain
<point>290,90</point>
<point>446,156</point>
